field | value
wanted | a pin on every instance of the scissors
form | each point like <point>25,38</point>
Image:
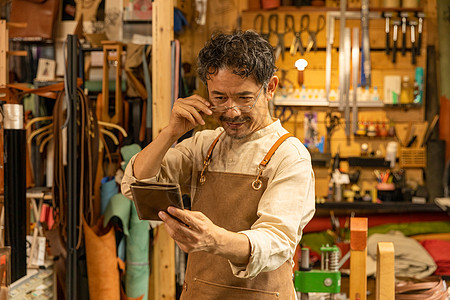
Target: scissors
<point>313,34</point>
<point>285,114</point>
<point>273,29</point>
<point>296,44</point>
<point>260,18</point>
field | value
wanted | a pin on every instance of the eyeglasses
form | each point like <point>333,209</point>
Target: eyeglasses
<point>240,99</point>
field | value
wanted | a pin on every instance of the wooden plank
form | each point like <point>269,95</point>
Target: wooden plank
<point>385,279</point>
<point>163,266</point>
<point>163,260</point>
<point>162,33</point>
<point>358,257</point>
<point>3,53</point>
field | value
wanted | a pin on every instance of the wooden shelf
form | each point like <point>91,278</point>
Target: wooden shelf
<point>386,207</point>
<point>295,9</point>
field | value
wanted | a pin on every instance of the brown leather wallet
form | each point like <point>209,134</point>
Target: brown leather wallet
<point>151,198</point>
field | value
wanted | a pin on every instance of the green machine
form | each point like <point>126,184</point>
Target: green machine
<point>325,280</point>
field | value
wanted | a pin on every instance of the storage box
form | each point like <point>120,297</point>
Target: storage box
<point>412,158</point>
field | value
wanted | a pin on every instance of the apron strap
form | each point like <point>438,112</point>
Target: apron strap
<point>257,183</point>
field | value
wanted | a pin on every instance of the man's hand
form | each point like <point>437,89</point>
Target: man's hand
<point>199,233</point>
<point>187,114</point>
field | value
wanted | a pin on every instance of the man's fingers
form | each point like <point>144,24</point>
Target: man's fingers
<point>198,102</point>
<point>193,113</point>
<point>184,216</point>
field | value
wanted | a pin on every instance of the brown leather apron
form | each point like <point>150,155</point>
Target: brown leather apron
<point>231,201</point>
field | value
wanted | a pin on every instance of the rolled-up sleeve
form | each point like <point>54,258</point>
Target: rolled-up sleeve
<point>287,205</point>
<point>176,167</point>
<point>129,178</point>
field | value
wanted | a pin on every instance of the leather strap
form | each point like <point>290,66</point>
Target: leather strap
<point>50,91</point>
<point>431,288</point>
<point>207,160</point>
<point>257,183</point>
<point>274,148</point>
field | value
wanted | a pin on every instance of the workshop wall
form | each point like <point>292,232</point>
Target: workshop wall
<point>233,14</point>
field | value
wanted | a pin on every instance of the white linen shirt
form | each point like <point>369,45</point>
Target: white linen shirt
<point>286,206</point>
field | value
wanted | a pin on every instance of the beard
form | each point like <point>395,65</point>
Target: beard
<point>238,133</point>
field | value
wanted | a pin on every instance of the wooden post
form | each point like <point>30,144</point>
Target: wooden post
<point>162,285</point>
<point>358,256</point>
<point>385,271</point>
<point>3,53</point>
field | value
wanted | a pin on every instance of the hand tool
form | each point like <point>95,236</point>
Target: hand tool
<point>273,29</point>
<point>330,41</point>
<point>343,5</point>
<point>260,19</point>
<point>313,34</point>
<point>355,67</point>
<point>388,16</point>
<point>413,25</point>
<point>296,44</point>
<point>366,80</point>
<point>420,16</point>
<point>404,16</point>
<point>394,39</point>
<point>346,87</point>
<point>331,122</point>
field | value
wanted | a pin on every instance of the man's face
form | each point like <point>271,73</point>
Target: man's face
<point>247,102</point>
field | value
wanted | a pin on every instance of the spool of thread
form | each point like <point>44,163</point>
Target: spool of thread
<point>13,116</point>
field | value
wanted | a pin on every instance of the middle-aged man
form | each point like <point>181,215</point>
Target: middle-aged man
<point>251,182</point>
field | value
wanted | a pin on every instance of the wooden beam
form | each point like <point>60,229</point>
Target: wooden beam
<point>385,271</point>
<point>162,285</point>
<point>358,256</point>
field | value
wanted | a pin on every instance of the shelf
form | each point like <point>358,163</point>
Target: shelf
<point>285,101</point>
<point>404,106</point>
<point>393,207</point>
<point>367,162</point>
<point>293,9</point>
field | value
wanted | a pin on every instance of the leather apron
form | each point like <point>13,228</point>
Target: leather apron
<point>231,201</point>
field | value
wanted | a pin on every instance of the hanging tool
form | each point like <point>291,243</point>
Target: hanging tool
<point>420,16</point>
<point>312,42</point>
<point>296,44</point>
<point>388,16</point>
<point>413,25</point>
<point>284,113</point>
<point>330,41</point>
<point>331,123</point>
<point>341,54</point>
<point>355,67</point>
<point>346,87</point>
<point>394,39</point>
<point>273,29</point>
<point>404,16</point>
<point>365,43</point>
<point>260,19</point>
